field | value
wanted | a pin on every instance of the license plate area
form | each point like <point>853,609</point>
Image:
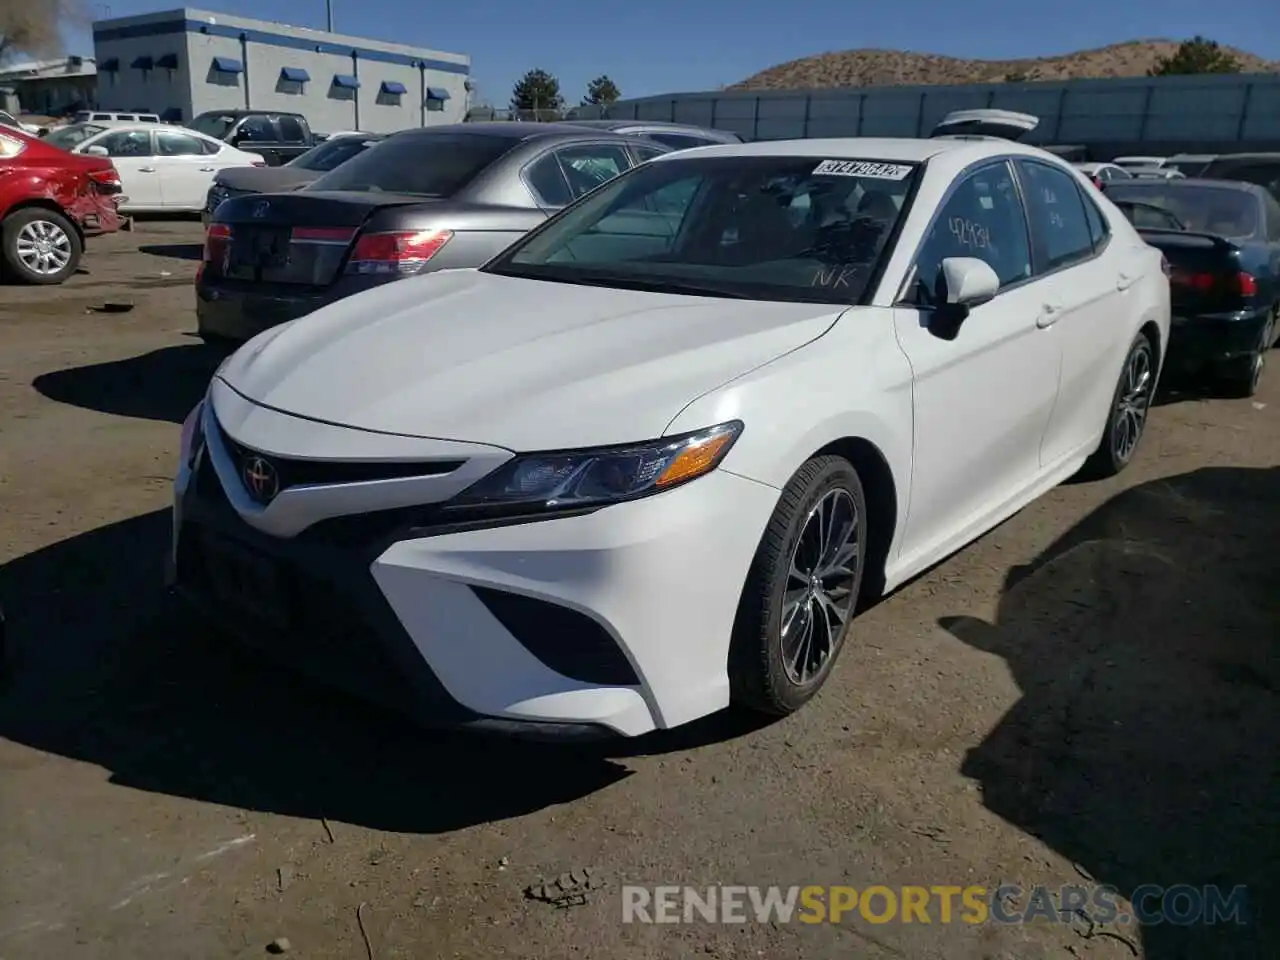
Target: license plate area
<point>244,580</point>
<point>261,248</point>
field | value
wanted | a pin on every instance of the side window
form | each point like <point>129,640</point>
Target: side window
<point>1055,208</point>
<point>257,129</point>
<point>587,167</point>
<point>548,182</point>
<point>983,218</point>
<point>291,130</point>
<point>1273,219</point>
<point>210,147</point>
<point>126,143</point>
<point>1099,231</point>
<point>178,145</point>
<point>644,153</point>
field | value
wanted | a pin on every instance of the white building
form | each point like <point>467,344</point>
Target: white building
<point>180,63</point>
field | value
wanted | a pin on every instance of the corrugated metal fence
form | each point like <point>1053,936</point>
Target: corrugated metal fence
<point>1206,112</point>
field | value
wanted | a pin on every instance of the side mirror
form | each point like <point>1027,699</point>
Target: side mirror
<point>97,151</point>
<point>962,284</point>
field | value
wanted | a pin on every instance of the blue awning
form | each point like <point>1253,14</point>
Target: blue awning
<point>143,63</point>
<point>227,65</point>
<point>168,62</point>
<point>346,81</point>
<point>110,65</point>
<point>295,74</point>
<point>394,87</point>
<point>438,93</point>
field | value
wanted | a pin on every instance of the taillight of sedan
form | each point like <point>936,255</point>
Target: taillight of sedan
<point>395,252</point>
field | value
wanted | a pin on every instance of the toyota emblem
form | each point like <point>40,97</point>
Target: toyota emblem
<point>261,209</point>
<point>260,479</point>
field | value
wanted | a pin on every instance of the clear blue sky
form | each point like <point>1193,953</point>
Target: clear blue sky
<point>663,46</point>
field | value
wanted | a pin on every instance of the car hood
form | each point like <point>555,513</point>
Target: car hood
<point>523,364</point>
<point>265,179</point>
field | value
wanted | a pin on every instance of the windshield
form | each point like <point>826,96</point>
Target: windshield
<point>1223,211</point>
<point>325,156</point>
<point>418,164</point>
<point>69,137</point>
<point>758,227</point>
<point>216,125</point>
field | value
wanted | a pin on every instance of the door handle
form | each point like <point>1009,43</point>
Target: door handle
<point>1049,315</point>
<point>1125,281</point>
<point>146,169</point>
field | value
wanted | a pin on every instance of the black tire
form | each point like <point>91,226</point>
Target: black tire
<point>1242,378</point>
<point>15,224</point>
<point>760,679</point>
<point>1114,453</point>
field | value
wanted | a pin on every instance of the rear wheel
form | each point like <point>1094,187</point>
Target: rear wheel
<point>39,246</point>
<point>1127,417</point>
<point>802,589</point>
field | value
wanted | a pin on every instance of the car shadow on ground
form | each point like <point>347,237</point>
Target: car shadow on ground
<point>103,669</point>
<point>179,251</point>
<point>1146,745</point>
<point>161,385</point>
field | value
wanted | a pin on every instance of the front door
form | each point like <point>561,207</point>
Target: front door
<point>981,401</point>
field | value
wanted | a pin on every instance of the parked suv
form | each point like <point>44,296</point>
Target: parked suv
<point>277,137</point>
<point>50,201</point>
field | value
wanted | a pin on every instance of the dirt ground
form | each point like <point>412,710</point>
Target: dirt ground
<point>1087,695</point>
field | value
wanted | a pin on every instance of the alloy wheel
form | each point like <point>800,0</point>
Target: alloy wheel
<point>819,595</point>
<point>43,247</point>
<point>1135,401</point>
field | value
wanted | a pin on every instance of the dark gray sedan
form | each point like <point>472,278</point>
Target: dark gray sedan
<point>421,200</point>
<point>297,173</point>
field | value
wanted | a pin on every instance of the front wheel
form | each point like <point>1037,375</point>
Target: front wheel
<point>1127,415</point>
<point>801,590</point>
<point>39,246</point>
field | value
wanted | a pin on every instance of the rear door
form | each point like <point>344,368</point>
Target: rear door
<point>1085,279</point>
<point>186,169</point>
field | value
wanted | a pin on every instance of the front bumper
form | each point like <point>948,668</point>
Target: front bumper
<point>616,620</point>
<point>239,310</point>
<point>1215,339</point>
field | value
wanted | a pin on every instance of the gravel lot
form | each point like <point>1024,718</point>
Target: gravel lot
<point>1088,692</point>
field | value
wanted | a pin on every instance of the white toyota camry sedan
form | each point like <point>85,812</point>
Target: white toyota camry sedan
<point>645,463</point>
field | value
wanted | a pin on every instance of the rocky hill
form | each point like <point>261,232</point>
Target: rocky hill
<point>880,68</point>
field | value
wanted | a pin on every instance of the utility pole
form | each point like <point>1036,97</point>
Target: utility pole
<point>328,9</point>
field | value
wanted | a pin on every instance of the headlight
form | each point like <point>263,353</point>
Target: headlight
<point>587,478</point>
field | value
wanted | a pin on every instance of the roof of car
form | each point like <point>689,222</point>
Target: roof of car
<point>513,129</point>
<point>901,150</point>
<point>1183,182</point>
<point>1259,155</point>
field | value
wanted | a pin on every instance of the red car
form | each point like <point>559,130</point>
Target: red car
<point>50,201</point>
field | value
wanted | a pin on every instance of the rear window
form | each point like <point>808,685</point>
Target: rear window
<point>678,141</point>
<point>1221,210</point>
<point>430,165</point>
<point>66,138</point>
<point>1262,172</point>
<point>331,154</point>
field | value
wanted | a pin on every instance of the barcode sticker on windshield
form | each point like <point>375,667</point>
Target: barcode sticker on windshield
<point>862,168</point>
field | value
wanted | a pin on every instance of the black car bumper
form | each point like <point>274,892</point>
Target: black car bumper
<point>236,310</point>
<point>311,604</point>
<point>1216,339</point>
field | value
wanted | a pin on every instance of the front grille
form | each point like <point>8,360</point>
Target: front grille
<point>294,473</point>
